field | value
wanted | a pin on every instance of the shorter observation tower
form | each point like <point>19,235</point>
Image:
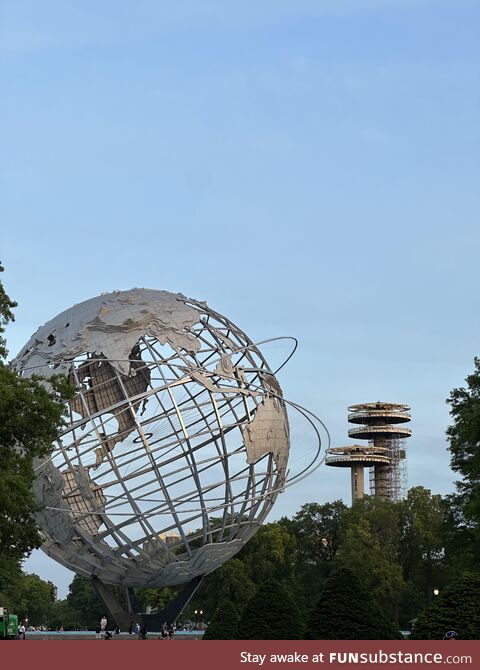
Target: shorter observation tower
<point>385,453</point>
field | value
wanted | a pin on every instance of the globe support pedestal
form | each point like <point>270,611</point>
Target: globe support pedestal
<point>124,619</point>
<point>121,617</point>
<point>171,612</point>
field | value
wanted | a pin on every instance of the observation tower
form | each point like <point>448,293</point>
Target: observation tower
<point>385,453</point>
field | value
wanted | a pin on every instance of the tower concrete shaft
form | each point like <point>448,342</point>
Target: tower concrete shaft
<point>358,481</point>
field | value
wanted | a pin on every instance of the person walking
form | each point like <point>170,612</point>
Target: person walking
<point>103,625</point>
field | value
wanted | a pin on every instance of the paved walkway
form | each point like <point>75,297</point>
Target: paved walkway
<point>90,635</point>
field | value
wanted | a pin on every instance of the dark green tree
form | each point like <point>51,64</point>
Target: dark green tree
<point>272,614</point>
<point>10,576</point>
<point>370,546</point>
<point>6,316</point>
<point>30,417</point>
<point>316,529</point>
<point>33,599</point>
<point>156,599</point>
<point>224,623</point>
<point>61,614</point>
<point>234,584</point>
<point>422,549</point>
<point>346,611</point>
<point>464,437</point>
<point>455,608</point>
<point>462,544</point>
<point>271,553</point>
<point>230,582</point>
<point>85,605</point>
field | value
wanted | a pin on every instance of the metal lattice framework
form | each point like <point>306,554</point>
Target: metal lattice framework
<point>177,441</point>
<point>385,455</point>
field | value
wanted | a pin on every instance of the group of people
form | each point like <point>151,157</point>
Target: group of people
<point>167,631</point>
<point>139,630</point>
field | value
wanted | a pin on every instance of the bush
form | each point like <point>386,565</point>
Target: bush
<point>271,614</point>
<point>224,623</point>
<point>456,608</point>
<point>345,611</point>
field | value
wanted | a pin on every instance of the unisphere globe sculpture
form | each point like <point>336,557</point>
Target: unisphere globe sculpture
<point>177,441</point>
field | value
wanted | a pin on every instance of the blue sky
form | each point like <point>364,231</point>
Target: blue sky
<point>310,168</point>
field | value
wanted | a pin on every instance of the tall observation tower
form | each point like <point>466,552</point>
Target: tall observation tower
<point>385,453</point>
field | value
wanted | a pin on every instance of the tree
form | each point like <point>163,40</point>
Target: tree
<point>270,553</point>
<point>316,529</point>
<point>271,614</point>
<point>464,438</point>
<point>156,599</point>
<point>370,548</point>
<point>422,549</point>
<point>61,614</point>
<point>30,417</point>
<point>10,576</point>
<point>85,605</point>
<point>224,623</point>
<point>33,599</point>
<point>234,584</point>
<point>346,611</point>
<point>6,316</point>
<point>230,582</point>
<point>456,608</point>
<point>462,544</point>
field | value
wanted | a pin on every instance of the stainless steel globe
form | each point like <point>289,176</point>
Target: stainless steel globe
<point>177,440</point>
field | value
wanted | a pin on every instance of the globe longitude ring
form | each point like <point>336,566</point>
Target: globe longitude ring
<point>176,444</point>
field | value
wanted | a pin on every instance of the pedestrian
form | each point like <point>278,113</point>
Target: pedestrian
<point>451,635</point>
<point>143,631</point>
<point>97,632</point>
<point>171,631</point>
<point>21,632</point>
<point>137,630</point>
<point>103,625</point>
<point>164,630</point>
